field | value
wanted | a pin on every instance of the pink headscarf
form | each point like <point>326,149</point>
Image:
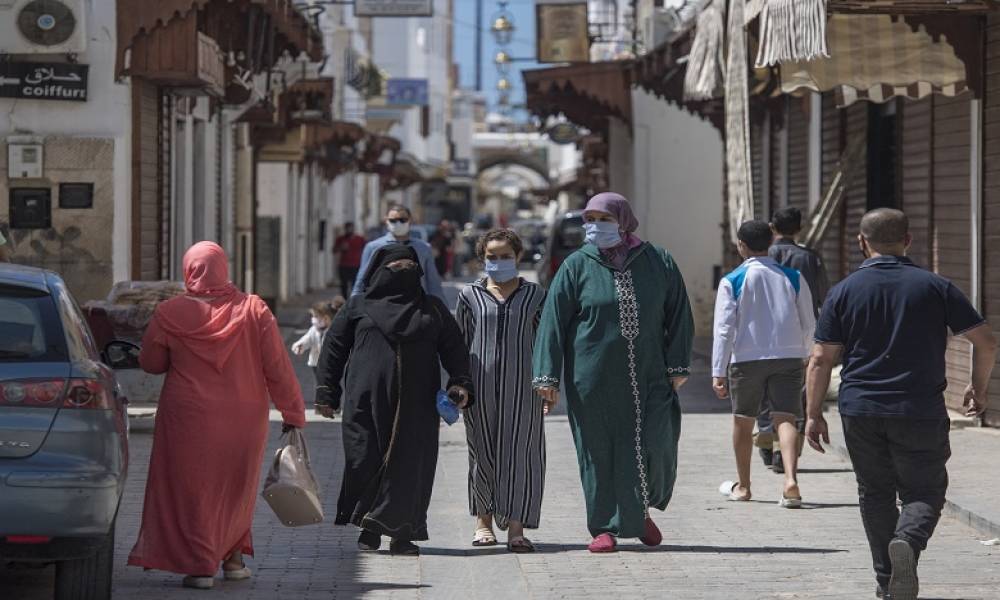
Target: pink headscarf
<point>209,320</point>
<point>618,207</point>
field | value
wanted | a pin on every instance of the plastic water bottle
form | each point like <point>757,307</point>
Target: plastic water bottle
<point>447,408</point>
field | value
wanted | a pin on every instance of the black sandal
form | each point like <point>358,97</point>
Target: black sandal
<point>369,541</point>
<point>520,545</point>
<point>403,548</point>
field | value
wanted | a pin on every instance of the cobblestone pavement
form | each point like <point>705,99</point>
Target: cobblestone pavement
<point>712,549</point>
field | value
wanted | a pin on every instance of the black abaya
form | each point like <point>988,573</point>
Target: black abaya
<point>390,418</point>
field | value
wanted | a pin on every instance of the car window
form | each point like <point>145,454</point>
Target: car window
<point>29,326</point>
<point>78,337</point>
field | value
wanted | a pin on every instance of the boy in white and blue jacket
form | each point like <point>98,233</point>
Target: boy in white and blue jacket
<point>764,324</point>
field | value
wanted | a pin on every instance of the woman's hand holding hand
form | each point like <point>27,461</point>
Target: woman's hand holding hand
<point>325,410</point>
<point>678,382</point>
<point>298,348</point>
<point>463,395</point>
<point>550,397</point>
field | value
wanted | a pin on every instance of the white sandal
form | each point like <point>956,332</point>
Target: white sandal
<point>728,489</point>
<point>484,537</point>
<point>238,574</point>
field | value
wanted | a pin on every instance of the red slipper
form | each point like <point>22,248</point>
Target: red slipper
<point>603,543</point>
<point>652,537</point>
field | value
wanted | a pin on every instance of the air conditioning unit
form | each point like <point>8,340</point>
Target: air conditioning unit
<point>43,26</point>
<point>659,27</point>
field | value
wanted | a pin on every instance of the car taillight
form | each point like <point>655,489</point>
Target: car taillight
<point>28,539</point>
<point>32,392</point>
<point>52,393</point>
<point>87,393</point>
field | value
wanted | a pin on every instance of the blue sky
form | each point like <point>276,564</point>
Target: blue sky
<point>522,46</point>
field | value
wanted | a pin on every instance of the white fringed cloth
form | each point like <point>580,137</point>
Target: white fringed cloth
<point>703,76</point>
<point>739,182</point>
<point>875,58</point>
<point>790,30</point>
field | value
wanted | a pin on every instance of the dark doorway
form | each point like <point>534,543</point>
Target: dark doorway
<point>883,156</point>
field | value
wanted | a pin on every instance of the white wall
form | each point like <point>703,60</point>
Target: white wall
<point>106,114</point>
<point>678,193</point>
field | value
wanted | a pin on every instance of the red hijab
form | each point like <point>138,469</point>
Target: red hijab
<point>209,320</point>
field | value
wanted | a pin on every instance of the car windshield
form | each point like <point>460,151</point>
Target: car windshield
<point>29,327</point>
<point>570,233</point>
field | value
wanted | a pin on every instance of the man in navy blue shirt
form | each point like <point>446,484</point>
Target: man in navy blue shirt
<point>889,324</point>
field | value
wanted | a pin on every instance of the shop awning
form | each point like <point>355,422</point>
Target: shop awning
<point>586,94</point>
<point>878,57</point>
<point>233,25</point>
<point>909,7</point>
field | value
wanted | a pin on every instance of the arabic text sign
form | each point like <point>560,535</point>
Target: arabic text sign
<point>406,92</point>
<point>43,81</point>
<point>394,8</point>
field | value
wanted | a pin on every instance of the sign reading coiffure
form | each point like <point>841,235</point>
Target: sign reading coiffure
<point>394,8</point>
<point>43,81</point>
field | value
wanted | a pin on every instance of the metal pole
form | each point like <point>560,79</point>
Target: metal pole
<point>479,45</point>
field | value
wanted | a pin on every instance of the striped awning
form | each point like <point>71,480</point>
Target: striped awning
<point>877,58</point>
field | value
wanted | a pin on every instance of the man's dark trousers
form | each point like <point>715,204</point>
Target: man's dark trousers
<point>347,277</point>
<point>904,456</point>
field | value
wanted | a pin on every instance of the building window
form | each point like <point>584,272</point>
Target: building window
<point>425,120</point>
<point>883,156</point>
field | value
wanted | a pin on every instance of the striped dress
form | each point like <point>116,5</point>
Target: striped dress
<point>505,427</point>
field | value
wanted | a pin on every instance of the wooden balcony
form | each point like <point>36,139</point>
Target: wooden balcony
<point>179,56</point>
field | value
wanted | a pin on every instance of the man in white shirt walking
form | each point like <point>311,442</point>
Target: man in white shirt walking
<point>764,324</point>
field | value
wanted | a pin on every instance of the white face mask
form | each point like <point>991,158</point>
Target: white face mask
<point>399,229</point>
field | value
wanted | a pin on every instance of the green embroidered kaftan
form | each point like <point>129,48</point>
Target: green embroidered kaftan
<point>581,336</point>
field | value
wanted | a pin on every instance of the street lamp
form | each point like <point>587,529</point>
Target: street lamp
<point>503,85</point>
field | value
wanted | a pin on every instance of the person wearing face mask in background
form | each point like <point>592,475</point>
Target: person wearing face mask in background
<point>398,222</point>
<point>616,335</point>
<point>389,345</point>
<point>499,315</point>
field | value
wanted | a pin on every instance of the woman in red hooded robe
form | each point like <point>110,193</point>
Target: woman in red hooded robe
<point>223,356</point>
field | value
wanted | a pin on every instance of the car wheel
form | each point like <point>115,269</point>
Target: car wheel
<point>87,578</point>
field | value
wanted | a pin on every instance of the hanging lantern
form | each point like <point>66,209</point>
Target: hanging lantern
<point>503,26</point>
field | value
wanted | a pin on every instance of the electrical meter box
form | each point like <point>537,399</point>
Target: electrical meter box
<point>24,161</point>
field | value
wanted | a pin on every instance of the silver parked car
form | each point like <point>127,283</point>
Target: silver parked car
<point>63,434</point>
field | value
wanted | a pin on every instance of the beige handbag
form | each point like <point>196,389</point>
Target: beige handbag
<point>290,488</point>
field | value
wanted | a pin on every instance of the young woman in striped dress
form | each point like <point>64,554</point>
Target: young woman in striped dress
<point>499,315</point>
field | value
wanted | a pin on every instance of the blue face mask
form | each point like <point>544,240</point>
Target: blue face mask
<point>501,271</point>
<point>603,234</point>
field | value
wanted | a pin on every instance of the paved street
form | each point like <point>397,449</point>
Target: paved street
<point>712,549</point>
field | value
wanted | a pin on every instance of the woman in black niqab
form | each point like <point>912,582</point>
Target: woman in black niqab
<point>389,345</point>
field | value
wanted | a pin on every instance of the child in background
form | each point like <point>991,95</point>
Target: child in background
<point>322,316</point>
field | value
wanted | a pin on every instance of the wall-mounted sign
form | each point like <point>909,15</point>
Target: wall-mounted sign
<point>76,195</point>
<point>394,8</point>
<point>561,31</point>
<point>564,133</point>
<point>406,92</point>
<point>461,166</point>
<point>43,81</point>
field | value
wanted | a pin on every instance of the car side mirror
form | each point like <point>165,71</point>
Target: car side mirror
<point>121,355</point>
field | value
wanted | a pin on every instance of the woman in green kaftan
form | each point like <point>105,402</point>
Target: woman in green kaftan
<point>616,335</point>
